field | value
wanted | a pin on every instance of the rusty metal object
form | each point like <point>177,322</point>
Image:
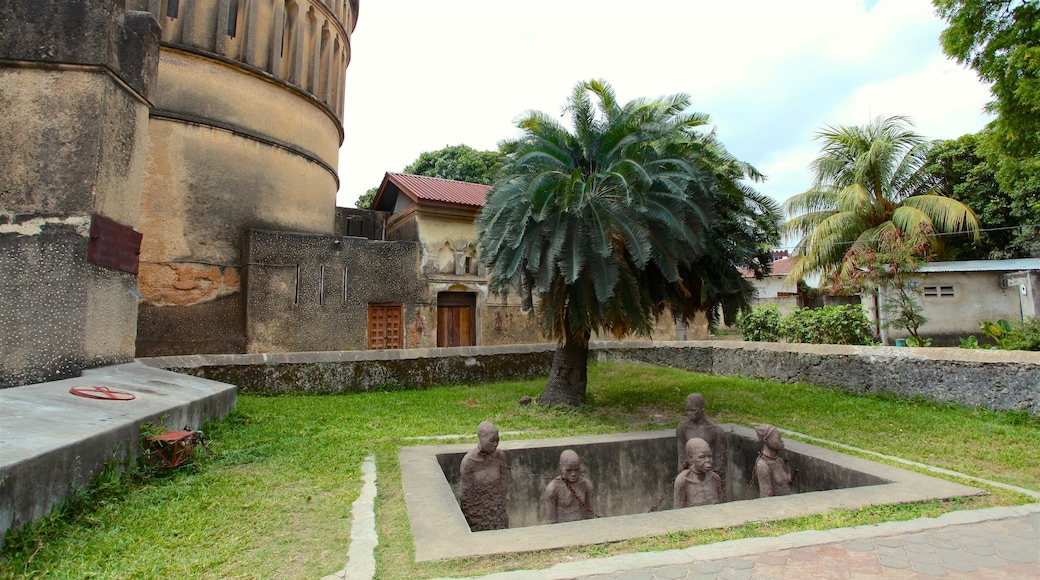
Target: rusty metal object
<point>113,245</point>
<point>172,448</point>
<point>103,393</point>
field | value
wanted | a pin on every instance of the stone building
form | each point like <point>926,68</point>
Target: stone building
<point>141,141</point>
<point>244,132</point>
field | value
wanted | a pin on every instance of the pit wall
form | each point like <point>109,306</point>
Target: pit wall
<point>998,380</point>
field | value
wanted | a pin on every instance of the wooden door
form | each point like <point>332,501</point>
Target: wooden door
<point>456,319</point>
<point>384,326</point>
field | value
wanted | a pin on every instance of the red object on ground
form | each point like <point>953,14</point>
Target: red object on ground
<point>103,393</point>
<point>172,448</point>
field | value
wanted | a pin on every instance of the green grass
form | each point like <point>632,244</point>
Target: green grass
<point>270,496</point>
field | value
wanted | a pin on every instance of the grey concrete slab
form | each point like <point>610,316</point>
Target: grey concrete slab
<point>440,530</point>
<point>52,442</point>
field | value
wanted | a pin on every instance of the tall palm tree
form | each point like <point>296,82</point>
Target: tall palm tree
<point>605,223</point>
<point>869,180</point>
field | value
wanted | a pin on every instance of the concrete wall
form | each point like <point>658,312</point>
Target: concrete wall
<point>74,86</point>
<point>1001,380</point>
<point>296,299</point>
<point>244,134</point>
<point>977,297</point>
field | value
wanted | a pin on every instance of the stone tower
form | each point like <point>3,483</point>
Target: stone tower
<point>243,134</point>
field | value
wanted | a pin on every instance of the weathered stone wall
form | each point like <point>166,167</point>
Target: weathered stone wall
<point>360,371</point>
<point>244,134</point>
<point>296,299</point>
<point>74,85</point>
<point>1001,380</point>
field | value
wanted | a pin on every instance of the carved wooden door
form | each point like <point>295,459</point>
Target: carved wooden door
<point>456,319</point>
<point>384,326</point>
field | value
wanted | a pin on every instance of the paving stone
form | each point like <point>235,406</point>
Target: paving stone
<point>600,577</point>
<point>946,544</point>
<point>740,564</point>
<point>894,562</point>
<point>636,575</point>
<point>980,549</point>
<point>771,560</point>
<point>918,539</point>
<point>734,574</point>
<point>706,568</point>
<point>889,542</point>
<point>897,551</point>
<point>925,558</point>
<point>988,561</point>
<point>930,570</point>
<point>956,561</point>
<point>860,546</point>
<point>920,548</point>
<point>672,572</point>
<point>1022,556</point>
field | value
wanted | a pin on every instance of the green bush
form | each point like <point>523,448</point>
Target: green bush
<point>846,324</point>
<point>760,324</point>
<point>1024,335</point>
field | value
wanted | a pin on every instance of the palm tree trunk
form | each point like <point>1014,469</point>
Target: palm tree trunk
<point>569,374</point>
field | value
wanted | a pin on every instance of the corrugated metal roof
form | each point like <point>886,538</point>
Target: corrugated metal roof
<point>421,188</point>
<point>982,266</point>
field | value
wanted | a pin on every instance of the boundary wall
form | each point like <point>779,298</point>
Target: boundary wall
<point>998,380</point>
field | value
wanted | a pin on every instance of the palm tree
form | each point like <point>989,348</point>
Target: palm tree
<point>605,224</point>
<point>869,181</point>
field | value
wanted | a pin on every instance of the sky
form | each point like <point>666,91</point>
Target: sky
<point>424,75</point>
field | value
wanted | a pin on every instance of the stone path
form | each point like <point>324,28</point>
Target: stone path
<point>361,559</point>
<point>991,543</point>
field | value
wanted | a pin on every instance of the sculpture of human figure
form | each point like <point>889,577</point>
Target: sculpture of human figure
<point>483,487</point>
<point>569,497</point>
<point>698,484</point>
<point>770,469</point>
<point>696,425</point>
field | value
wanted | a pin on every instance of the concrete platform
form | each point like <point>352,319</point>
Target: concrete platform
<point>53,442</point>
<point>441,532</point>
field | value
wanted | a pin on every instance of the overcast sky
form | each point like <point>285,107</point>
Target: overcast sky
<point>770,74</point>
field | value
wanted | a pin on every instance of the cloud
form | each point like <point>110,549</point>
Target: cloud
<point>424,74</point>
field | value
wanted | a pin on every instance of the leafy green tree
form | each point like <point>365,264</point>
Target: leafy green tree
<point>1000,39</point>
<point>458,162</point>
<point>965,175</point>
<point>868,181</point>
<point>364,201</point>
<point>608,223</point>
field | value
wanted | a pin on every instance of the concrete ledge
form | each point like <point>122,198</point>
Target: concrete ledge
<point>441,532</point>
<point>53,442</point>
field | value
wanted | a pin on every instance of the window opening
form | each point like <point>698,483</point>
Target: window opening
<point>296,297</point>
<point>172,8</point>
<point>232,18</point>
<point>321,285</point>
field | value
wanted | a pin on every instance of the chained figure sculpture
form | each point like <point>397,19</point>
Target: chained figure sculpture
<point>771,469</point>
<point>698,484</point>
<point>568,497</point>
<point>483,487</point>
<point>696,425</point>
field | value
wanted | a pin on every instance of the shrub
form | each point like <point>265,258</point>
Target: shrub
<point>761,324</point>
<point>1024,335</point>
<point>846,324</point>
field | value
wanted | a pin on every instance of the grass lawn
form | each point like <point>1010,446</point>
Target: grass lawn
<point>270,496</point>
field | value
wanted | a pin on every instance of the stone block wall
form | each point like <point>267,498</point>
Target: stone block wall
<point>999,380</point>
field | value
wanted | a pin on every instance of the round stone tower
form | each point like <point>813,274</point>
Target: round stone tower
<point>244,132</point>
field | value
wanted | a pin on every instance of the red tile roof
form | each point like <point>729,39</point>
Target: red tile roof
<point>433,189</point>
<point>781,267</point>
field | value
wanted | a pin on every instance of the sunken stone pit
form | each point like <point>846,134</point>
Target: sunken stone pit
<point>632,472</point>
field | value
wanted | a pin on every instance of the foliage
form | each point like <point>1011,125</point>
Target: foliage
<point>998,332</point>
<point>270,496</point>
<point>834,324</point>
<point>630,213</point>
<point>1000,39</point>
<point>457,162</point>
<point>969,342</point>
<point>365,200</point>
<point>760,324</point>
<point>888,270</point>
<point>918,342</point>
<point>868,182</point>
<point>1025,335</point>
<point>964,174</point>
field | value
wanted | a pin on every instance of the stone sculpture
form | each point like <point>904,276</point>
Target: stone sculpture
<point>698,484</point>
<point>569,497</point>
<point>696,425</point>
<point>483,488</point>
<point>771,469</point>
